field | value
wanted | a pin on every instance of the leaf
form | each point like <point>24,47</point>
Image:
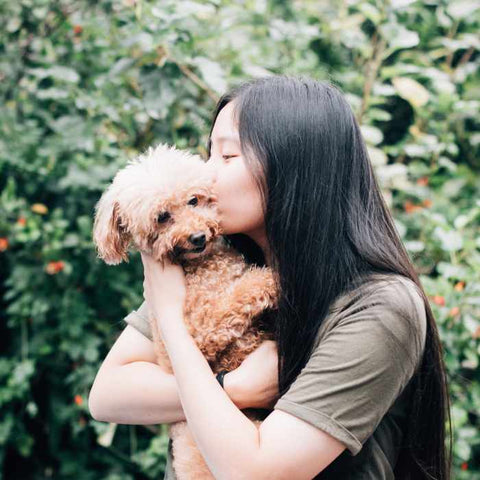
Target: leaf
<point>58,72</point>
<point>412,91</point>
<point>398,36</point>
<point>450,271</point>
<point>463,220</point>
<point>453,187</point>
<point>22,373</point>
<point>377,156</point>
<point>105,439</point>
<point>461,9</point>
<point>399,4</point>
<point>212,73</point>
<point>52,94</point>
<point>13,24</point>
<point>372,135</point>
<point>143,39</point>
<point>120,66</point>
<point>393,176</point>
<point>370,11</point>
<point>158,93</point>
<point>415,246</point>
<point>379,115</point>
<point>451,240</point>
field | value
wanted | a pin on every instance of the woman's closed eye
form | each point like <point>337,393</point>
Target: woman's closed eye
<point>226,157</point>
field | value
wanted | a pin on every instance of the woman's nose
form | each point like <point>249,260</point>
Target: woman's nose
<point>212,170</point>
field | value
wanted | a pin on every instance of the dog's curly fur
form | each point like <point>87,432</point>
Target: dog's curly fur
<point>151,206</point>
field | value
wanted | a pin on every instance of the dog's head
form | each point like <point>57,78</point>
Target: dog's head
<point>163,203</point>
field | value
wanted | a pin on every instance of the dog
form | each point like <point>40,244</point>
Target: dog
<point>163,203</point>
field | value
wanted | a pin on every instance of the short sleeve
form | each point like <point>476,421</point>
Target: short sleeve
<point>139,320</point>
<point>360,366</point>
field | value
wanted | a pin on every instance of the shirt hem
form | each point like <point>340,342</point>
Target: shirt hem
<point>139,324</point>
<point>322,421</point>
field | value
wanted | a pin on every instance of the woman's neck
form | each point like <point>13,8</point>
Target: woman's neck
<point>260,238</point>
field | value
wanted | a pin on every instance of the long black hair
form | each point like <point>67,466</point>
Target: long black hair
<point>328,228</point>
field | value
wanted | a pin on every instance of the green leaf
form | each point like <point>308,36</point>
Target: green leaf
<point>451,240</point>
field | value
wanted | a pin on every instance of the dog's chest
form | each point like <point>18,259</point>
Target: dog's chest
<point>208,288</point>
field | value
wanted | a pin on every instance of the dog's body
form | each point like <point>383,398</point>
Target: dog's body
<point>225,297</point>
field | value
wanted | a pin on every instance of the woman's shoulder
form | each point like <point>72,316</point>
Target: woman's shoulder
<point>368,352</point>
<point>392,290</point>
<point>391,304</point>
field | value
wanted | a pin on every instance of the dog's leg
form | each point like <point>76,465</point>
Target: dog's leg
<point>187,461</point>
<point>254,292</point>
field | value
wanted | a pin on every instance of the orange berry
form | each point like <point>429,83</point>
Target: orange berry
<point>77,29</point>
<point>411,207</point>
<point>459,286</point>
<point>476,333</point>
<point>78,399</point>
<point>422,181</point>
<point>50,268</point>
<point>427,203</point>
<point>3,244</point>
<point>454,311</point>
<point>39,208</point>
<point>54,267</point>
<point>21,221</point>
<point>439,300</point>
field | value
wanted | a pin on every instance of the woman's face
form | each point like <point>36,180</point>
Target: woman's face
<point>239,202</point>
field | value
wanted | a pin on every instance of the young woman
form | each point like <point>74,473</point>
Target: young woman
<point>356,376</point>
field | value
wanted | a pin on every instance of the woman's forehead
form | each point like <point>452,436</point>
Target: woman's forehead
<point>225,128</point>
<point>226,137</point>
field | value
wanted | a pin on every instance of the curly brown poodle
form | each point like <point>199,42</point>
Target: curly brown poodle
<point>163,203</point>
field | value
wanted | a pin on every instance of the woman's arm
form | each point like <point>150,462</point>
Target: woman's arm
<point>233,447</point>
<point>131,388</point>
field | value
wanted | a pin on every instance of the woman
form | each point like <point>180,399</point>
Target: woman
<point>360,390</point>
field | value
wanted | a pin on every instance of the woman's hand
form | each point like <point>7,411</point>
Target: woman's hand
<point>164,288</point>
<point>256,379</point>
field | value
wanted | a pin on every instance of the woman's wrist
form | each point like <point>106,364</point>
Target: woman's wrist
<point>170,319</point>
<point>168,310</point>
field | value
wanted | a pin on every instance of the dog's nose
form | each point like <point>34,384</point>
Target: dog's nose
<point>197,239</point>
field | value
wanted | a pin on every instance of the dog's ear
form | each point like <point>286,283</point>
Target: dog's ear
<point>109,235</point>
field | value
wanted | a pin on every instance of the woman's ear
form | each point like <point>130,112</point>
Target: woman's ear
<point>111,238</point>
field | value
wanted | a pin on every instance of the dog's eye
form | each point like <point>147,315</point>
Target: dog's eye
<point>163,217</point>
<point>193,201</point>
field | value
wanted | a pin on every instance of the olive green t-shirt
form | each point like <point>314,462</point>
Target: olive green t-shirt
<point>355,385</point>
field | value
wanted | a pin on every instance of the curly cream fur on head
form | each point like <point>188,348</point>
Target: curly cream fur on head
<point>150,204</point>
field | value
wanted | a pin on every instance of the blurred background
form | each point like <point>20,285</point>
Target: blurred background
<point>87,85</point>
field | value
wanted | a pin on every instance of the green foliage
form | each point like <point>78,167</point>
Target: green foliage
<point>87,85</point>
